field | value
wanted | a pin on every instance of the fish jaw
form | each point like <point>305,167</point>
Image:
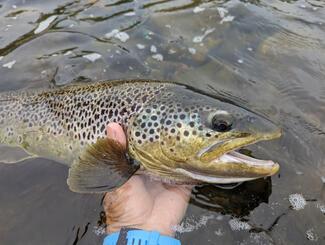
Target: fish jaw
<point>233,167</point>
<point>221,147</point>
<point>221,163</point>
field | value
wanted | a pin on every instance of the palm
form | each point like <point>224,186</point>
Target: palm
<point>144,203</point>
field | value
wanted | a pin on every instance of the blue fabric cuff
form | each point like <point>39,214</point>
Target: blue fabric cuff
<point>137,237</point>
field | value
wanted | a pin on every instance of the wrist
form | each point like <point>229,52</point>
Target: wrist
<point>163,230</point>
<point>137,237</point>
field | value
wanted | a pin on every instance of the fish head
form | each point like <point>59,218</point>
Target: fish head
<point>189,135</point>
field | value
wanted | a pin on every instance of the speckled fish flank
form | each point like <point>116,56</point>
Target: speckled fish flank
<point>174,133</point>
<point>69,118</point>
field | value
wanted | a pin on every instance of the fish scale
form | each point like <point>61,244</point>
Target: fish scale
<point>174,133</point>
<point>76,115</point>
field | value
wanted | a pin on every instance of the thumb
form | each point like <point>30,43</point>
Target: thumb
<point>116,132</point>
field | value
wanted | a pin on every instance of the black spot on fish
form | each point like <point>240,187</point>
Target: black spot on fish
<point>186,133</point>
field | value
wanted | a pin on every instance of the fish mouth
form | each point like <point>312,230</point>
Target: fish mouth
<point>223,164</point>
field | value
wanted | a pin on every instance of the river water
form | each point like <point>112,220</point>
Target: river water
<point>266,55</point>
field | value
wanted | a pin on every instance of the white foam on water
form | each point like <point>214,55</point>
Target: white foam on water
<point>223,15</point>
<point>198,9</point>
<point>92,57</point>
<point>323,179</point>
<point>192,50</point>
<point>191,224</point>
<point>140,46</point>
<point>171,51</point>
<point>1,57</point>
<point>199,39</point>
<point>10,64</point>
<point>122,36</point>
<point>240,61</point>
<point>99,231</point>
<point>321,207</point>
<point>311,235</point>
<point>112,33</point>
<point>228,18</point>
<point>129,14</point>
<point>219,232</point>
<point>68,53</point>
<point>222,12</point>
<point>45,24</point>
<point>250,49</point>
<point>237,225</point>
<point>158,57</point>
<point>153,49</point>
<point>297,201</point>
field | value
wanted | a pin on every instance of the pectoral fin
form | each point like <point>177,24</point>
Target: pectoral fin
<point>102,167</point>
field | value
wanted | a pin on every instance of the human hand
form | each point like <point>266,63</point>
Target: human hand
<point>144,203</point>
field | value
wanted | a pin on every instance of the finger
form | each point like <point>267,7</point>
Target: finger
<point>116,132</point>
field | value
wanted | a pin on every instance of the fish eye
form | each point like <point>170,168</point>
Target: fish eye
<point>221,123</point>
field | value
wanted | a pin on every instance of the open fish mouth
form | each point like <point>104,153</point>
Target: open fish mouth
<point>224,164</point>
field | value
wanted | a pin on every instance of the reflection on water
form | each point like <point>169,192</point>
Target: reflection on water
<point>238,201</point>
<point>266,55</point>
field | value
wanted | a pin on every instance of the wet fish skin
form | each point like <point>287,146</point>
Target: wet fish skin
<point>59,123</point>
<point>174,133</point>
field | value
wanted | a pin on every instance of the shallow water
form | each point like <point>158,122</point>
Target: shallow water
<point>268,56</point>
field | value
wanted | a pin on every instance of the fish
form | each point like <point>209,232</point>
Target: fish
<point>175,133</point>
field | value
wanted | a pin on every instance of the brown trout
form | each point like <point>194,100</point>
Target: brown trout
<point>174,133</point>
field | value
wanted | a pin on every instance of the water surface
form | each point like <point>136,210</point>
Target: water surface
<point>266,55</point>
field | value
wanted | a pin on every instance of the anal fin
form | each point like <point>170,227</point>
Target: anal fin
<point>13,154</point>
<point>102,167</point>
